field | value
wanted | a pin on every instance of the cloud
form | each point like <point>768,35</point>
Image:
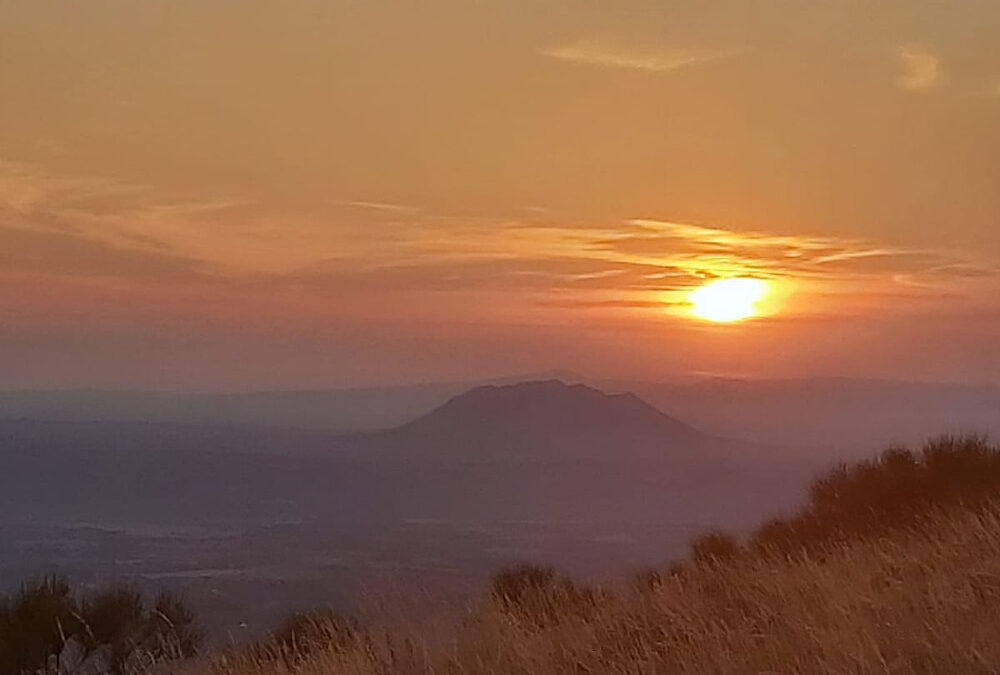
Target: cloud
<point>335,254</point>
<point>92,226</point>
<point>387,207</point>
<point>636,257</point>
<point>539,274</point>
<point>24,187</point>
<point>701,252</point>
<point>920,69</point>
<point>654,60</point>
<point>26,251</point>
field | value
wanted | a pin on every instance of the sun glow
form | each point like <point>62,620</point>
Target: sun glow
<point>727,300</point>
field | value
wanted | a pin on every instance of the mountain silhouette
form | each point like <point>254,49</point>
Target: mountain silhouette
<point>545,421</point>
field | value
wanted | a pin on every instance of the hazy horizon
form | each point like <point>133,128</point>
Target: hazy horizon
<point>570,377</point>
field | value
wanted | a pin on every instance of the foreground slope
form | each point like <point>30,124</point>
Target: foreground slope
<point>923,601</point>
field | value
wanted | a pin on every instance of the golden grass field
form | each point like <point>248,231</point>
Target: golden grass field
<point>923,600</point>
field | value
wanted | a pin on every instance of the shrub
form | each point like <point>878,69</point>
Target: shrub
<point>114,617</point>
<point>537,593</point>
<point>38,620</point>
<point>34,623</point>
<point>713,547</point>
<point>898,489</point>
<point>174,627</point>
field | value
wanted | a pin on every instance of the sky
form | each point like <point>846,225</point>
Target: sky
<point>255,194</point>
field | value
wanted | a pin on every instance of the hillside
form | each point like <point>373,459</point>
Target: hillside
<point>891,565</point>
<point>923,601</point>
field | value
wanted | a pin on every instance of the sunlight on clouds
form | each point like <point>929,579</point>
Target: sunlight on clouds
<point>379,206</point>
<point>712,252</point>
<point>642,266</point>
<point>920,69</point>
<point>658,60</point>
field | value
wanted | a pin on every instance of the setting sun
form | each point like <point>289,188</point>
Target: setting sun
<point>727,300</point>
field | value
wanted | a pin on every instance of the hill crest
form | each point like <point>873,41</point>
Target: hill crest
<point>548,419</point>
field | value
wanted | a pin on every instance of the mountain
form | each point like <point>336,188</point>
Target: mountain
<point>544,405</point>
<point>544,421</point>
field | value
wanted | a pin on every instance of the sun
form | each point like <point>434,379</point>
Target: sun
<point>727,300</point>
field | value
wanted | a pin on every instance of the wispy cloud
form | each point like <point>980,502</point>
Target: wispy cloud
<point>71,225</point>
<point>920,69</point>
<point>23,187</point>
<point>705,251</point>
<point>635,257</point>
<point>651,59</point>
<point>387,207</point>
<point>96,229</point>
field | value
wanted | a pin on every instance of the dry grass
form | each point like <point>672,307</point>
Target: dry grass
<point>924,601</point>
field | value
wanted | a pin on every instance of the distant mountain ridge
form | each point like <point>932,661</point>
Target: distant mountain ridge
<point>531,451</point>
<point>552,400</point>
<point>546,420</point>
<point>826,416</point>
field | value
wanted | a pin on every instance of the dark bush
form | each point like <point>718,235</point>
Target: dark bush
<point>114,617</point>
<point>174,627</point>
<point>898,489</point>
<point>42,616</point>
<point>713,547</point>
<point>515,586</point>
<point>34,623</point>
<point>538,593</point>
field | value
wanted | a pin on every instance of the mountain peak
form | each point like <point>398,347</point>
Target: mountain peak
<point>550,396</point>
<point>550,419</point>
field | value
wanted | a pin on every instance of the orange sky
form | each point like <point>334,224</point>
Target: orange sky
<point>239,195</point>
